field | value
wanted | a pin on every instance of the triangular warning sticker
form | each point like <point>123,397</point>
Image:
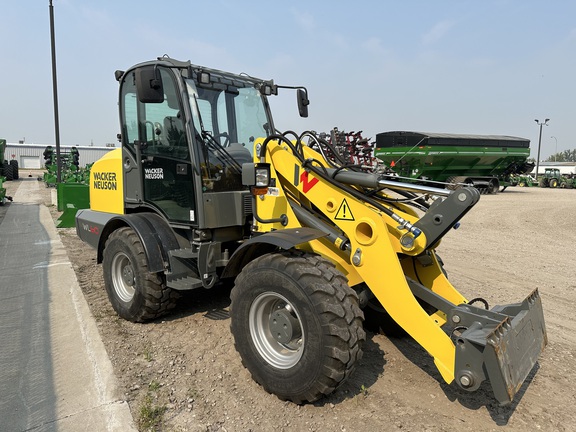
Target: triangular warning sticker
<point>344,212</point>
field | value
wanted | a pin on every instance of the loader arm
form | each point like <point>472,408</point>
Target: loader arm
<point>376,237</point>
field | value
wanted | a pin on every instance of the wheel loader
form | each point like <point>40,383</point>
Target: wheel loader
<point>206,190</point>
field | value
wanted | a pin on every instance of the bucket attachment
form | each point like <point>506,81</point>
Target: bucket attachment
<point>501,345</point>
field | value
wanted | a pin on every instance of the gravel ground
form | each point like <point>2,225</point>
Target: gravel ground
<point>183,372</point>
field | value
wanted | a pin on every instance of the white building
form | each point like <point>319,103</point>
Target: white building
<point>30,156</point>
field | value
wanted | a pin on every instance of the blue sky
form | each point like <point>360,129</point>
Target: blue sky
<point>458,66</point>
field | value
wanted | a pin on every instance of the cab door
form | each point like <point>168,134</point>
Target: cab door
<point>157,163</point>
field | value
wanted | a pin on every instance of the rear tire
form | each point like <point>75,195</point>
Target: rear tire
<point>135,294</point>
<point>296,325</point>
<point>553,183</point>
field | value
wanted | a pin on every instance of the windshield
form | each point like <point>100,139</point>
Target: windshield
<point>227,120</point>
<point>235,115</point>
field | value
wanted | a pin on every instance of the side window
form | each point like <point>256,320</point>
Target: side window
<point>163,126</point>
<point>129,108</point>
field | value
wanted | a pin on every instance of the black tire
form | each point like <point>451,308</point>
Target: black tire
<point>553,183</point>
<point>493,186</point>
<point>135,294</point>
<point>296,325</point>
<point>543,183</point>
<point>377,320</point>
<point>8,171</point>
<point>15,173</point>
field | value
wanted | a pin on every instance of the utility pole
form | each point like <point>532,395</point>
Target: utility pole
<point>55,92</point>
<point>545,122</point>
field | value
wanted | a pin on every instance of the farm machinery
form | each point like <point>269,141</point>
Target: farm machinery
<point>3,175</point>
<point>72,191</point>
<point>350,148</point>
<point>8,171</point>
<point>487,162</point>
<point>205,191</point>
<point>553,179</point>
<point>71,172</point>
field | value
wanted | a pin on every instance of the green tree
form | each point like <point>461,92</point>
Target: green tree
<point>564,156</point>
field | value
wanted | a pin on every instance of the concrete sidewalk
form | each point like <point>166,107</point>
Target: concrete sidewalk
<point>55,374</point>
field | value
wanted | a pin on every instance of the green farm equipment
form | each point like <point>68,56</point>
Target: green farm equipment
<point>6,173</point>
<point>69,167</point>
<point>522,180</point>
<point>73,191</point>
<point>8,169</point>
<point>486,162</point>
<point>553,179</point>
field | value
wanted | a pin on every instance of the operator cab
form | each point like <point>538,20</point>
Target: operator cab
<point>186,131</point>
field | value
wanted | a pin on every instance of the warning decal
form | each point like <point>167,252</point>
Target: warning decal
<point>344,212</point>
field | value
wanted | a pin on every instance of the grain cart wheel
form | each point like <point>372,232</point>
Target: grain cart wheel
<point>15,173</point>
<point>296,324</point>
<point>8,171</point>
<point>135,294</point>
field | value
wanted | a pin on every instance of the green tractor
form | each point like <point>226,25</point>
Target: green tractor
<point>6,173</point>
<point>551,178</point>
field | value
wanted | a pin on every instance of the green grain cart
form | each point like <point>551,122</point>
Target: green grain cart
<point>487,162</point>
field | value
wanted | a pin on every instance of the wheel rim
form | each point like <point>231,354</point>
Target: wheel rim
<point>123,277</point>
<point>276,329</point>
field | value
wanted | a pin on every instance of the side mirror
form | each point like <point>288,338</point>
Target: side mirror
<point>149,85</point>
<point>303,102</point>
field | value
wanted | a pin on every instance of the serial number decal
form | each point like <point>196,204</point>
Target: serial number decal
<point>154,173</point>
<point>105,181</point>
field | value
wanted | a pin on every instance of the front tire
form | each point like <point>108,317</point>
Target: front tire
<point>296,325</point>
<point>135,294</point>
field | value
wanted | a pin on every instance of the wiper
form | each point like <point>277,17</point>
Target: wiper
<point>210,143</point>
<point>223,156</point>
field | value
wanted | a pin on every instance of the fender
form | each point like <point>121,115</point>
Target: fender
<point>154,232</point>
<point>266,243</point>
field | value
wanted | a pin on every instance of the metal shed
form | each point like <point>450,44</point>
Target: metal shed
<point>30,156</point>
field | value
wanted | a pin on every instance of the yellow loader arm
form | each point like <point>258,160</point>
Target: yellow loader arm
<point>382,234</point>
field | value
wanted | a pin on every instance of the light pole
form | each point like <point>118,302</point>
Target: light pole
<point>555,148</point>
<point>55,93</point>
<point>545,122</point>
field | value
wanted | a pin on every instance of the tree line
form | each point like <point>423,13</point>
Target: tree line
<point>564,156</point>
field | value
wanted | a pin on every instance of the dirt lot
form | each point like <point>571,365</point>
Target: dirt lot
<point>184,372</point>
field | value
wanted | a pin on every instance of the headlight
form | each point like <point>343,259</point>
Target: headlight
<point>262,177</point>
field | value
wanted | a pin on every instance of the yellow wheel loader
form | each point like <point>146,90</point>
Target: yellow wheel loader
<point>205,189</point>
